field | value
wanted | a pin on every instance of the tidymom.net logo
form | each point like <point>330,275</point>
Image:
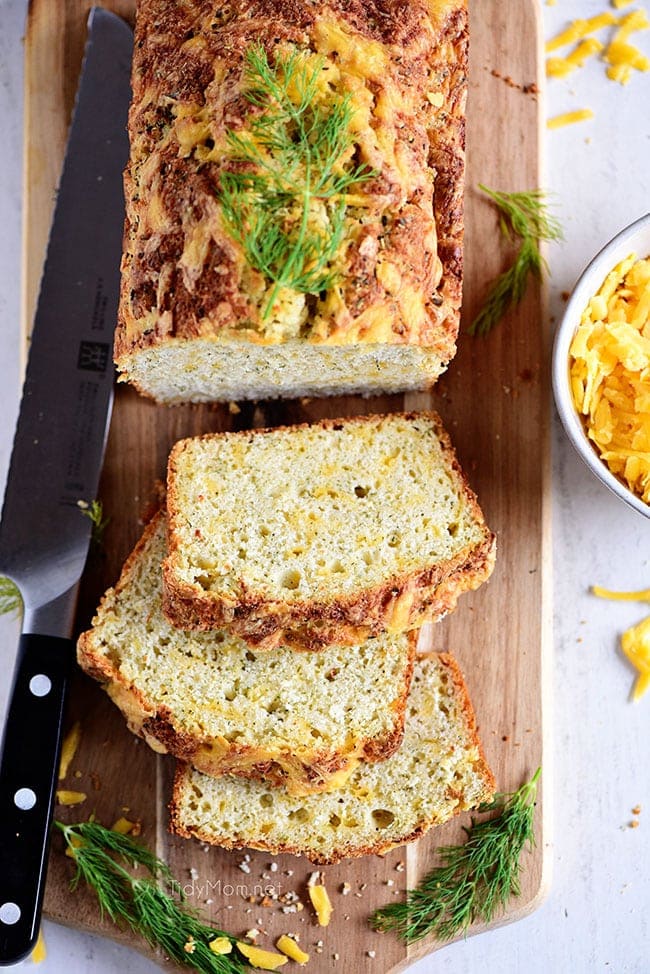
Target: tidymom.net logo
<point>206,889</point>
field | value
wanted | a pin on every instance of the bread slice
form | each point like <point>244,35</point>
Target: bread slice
<point>321,534</point>
<point>200,317</point>
<point>302,720</point>
<point>438,771</point>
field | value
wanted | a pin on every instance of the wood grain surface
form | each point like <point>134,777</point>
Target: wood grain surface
<point>495,403</point>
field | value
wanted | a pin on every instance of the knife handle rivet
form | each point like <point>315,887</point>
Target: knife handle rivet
<point>9,914</point>
<point>24,799</point>
<point>40,685</point>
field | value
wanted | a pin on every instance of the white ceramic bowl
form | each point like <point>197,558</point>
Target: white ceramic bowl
<point>634,239</point>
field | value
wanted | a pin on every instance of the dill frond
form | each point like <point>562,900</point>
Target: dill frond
<point>525,217</point>
<point>95,513</point>
<point>11,600</point>
<point>475,880</point>
<point>151,906</point>
<point>282,196</point>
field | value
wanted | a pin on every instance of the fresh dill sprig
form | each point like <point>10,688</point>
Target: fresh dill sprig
<point>475,879</point>
<point>10,598</point>
<point>523,216</point>
<point>151,906</point>
<point>283,193</point>
<point>95,512</point>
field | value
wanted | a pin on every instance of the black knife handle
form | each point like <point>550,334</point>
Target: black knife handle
<point>28,775</point>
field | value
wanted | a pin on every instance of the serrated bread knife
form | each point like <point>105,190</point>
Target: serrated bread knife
<point>56,462</point>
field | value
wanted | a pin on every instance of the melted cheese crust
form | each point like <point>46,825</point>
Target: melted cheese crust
<point>400,262</point>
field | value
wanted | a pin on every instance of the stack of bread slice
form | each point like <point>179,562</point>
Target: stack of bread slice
<point>264,631</point>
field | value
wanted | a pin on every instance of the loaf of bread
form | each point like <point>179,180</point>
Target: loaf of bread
<point>301,720</point>
<point>438,771</point>
<point>322,534</point>
<point>294,198</point>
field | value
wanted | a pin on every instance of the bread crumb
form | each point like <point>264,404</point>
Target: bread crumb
<point>371,953</point>
<point>190,946</point>
<point>345,889</point>
<point>634,824</point>
<point>233,409</point>
<point>636,810</point>
<point>399,868</point>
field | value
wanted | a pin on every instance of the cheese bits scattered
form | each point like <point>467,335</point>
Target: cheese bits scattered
<point>321,902</point>
<point>39,953</point>
<point>635,641</point>
<point>643,595</point>
<point>264,960</point>
<point>569,118</point>
<point>610,373</point>
<point>621,57</point>
<point>69,749</point>
<point>289,947</point>
<point>220,945</point>
<point>64,797</point>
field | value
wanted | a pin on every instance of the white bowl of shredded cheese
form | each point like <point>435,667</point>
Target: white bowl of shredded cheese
<point>601,366</point>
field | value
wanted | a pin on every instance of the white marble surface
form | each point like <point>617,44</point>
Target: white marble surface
<point>596,915</point>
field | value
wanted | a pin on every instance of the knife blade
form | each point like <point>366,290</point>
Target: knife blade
<point>56,462</point>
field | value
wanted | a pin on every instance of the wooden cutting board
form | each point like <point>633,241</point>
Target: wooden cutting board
<point>495,403</point>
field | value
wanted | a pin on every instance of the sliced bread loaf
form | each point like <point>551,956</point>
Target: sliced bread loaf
<point>303,720</point>
<point>438,771</point>
<point>321,534</point>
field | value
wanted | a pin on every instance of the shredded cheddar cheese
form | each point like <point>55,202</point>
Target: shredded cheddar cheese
<point>123,826</point>
<point>321,902</point>
<point>220,945</point>
<point>635,643</point>
<point>69,749</point>
<point>265,960</point>
<point>605,593</point>
<point>289,947</point>
<point>569,118</point>
<point>620,56</point>
<point>610,373</point>
<point>39,952</point>
<point>619,4</point>
<point>70,797</point>
<point>559,67</point>
<point>579,29</point>
<point>636,20</point>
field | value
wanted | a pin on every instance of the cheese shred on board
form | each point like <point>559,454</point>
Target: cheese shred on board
<point>610,373</point>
